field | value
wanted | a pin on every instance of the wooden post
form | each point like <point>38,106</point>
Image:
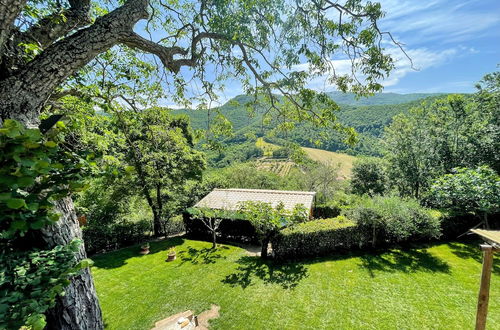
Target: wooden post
<point>484,290</point>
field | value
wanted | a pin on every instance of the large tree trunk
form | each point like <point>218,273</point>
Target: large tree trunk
<point>23,95</point>
<point>79,307</point>
<point>157,227</point>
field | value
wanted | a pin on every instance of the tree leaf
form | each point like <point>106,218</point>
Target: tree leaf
<point>15,203</point>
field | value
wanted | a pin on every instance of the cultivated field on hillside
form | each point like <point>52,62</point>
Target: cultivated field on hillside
<point>330,157</point>
<point>279,166</point>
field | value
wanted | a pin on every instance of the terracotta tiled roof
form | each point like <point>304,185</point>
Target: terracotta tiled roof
<point>229,199</point>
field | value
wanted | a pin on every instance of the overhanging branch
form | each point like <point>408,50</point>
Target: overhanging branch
<point>165,54</point>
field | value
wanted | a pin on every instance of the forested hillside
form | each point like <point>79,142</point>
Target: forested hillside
<point>368,120</point>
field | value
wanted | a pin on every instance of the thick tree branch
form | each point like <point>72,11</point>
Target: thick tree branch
<point>166,54</point>
<point>55,26</point>
<point>9,10</point>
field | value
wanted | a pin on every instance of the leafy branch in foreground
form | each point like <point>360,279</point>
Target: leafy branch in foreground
<point>35,172</point>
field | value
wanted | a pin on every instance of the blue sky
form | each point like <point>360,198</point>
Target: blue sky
<point>452,43</point>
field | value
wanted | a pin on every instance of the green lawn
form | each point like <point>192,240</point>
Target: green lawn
<point>429,288</point>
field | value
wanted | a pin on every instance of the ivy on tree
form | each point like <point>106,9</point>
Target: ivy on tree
<point>35,171</point>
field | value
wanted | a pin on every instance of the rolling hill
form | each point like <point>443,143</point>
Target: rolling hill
<point>283,166</point>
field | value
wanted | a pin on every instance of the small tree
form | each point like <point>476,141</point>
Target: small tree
<point>159,150</point>
<point>369,177</point>
<point>268,220</point>
<point>211,219</point>
<point>473,191</point>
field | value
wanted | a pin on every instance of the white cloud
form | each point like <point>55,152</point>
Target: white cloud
<point>446,21</point>
<point>422,58</point>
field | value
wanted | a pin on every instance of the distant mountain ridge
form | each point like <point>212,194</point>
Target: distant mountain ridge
<point>379,98</point>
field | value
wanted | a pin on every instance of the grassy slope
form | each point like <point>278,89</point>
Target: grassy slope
<point>331,157</point>
<point>415,289</point>
<point>267,148</point>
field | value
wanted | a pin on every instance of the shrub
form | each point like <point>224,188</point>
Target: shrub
<point>325,211</point>
<point>282,152</point>
<point>369,177</point>
<point>174,226</point>
<point>318,237</point>
<point>334,207</point>
<point>100,238</point>
<point>395,220</point>
<point>468,191</point>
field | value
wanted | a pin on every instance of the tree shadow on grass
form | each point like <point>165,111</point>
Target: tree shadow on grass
<point>405,261</point>
<point>201,256</point>
<point>471,250</point>
<point>287,275</point>
<point>119,258</point>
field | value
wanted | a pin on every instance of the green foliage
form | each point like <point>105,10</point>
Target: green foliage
<point>35,171</point>
<point>30,281</point>
<point>234,153</point>
<point>391,219</point>
<point>436,137</point>
<point>320,178</point>
<point>282,152</point>
<point>368,121</point>
<point>369,177</point>
<point>475,191</point>
<point>268,219</point>
<point>318,237</point>
<point>245,176</point>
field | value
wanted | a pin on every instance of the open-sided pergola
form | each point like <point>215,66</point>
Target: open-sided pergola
<point>492,245</point>
<point>230,199</point>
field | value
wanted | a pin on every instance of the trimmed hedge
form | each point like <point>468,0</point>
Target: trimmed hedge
<point>229,230</point>
<point>326,211</point>
<point>317,238</point>
<point>101,238</point>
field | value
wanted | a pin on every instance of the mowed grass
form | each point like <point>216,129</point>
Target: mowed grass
<point>330,157</point>
<point>422,288</point>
